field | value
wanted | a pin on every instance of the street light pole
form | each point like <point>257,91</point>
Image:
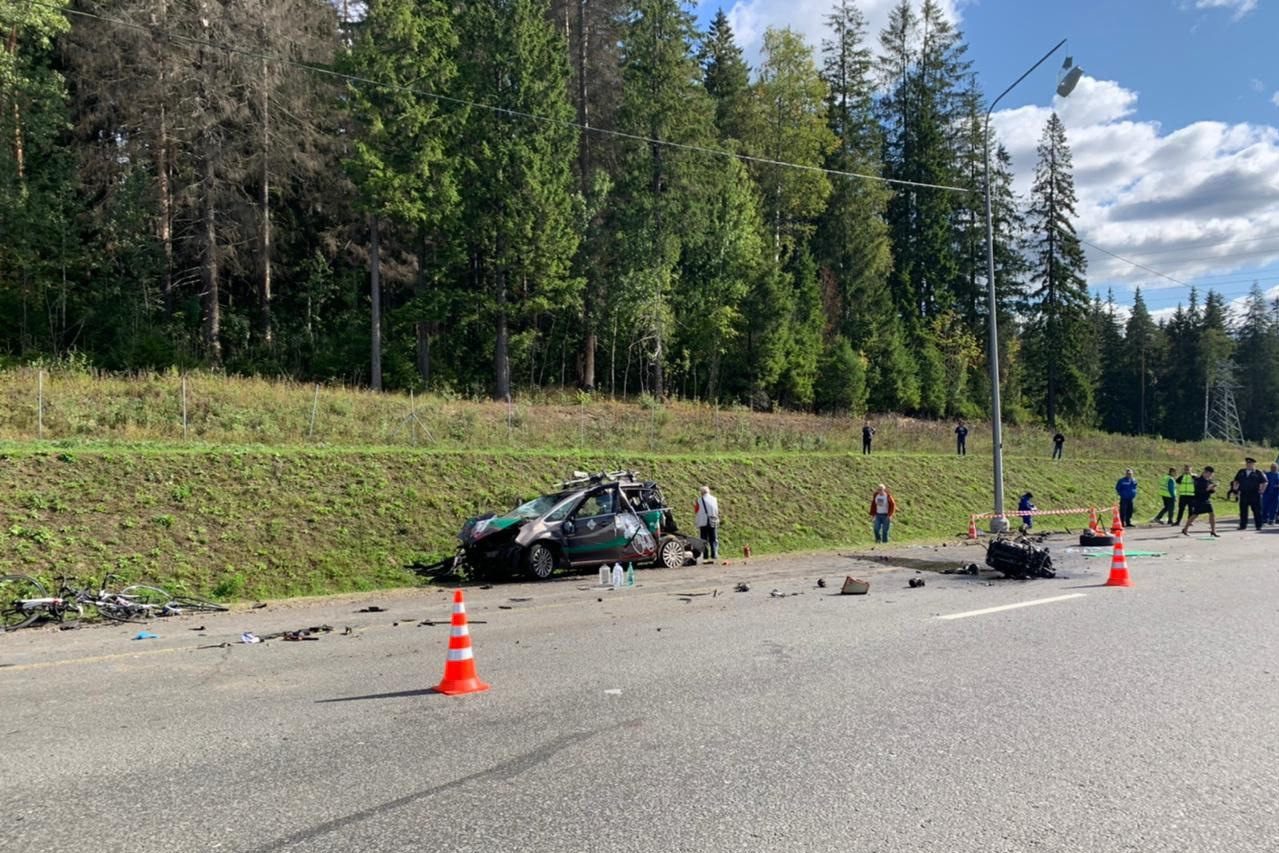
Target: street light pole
<point>999,524</point>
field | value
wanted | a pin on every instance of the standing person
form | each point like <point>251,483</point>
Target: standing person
<point>1204,487</point>
<point>707,520</point>
<point>1270,497</point>
<point>1058,441</point>
<point>1185,492</point>
<point>961,438</point>
<point>868,432</point>
<point>1126,488</point>
<point>882,510</point>
<point>1249,483</point>
<point>1025,505</point>
<point>1168,492</point>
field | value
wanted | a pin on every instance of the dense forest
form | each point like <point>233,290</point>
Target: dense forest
<point>490,195</point>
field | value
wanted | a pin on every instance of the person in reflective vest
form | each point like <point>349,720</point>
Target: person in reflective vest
<point>1168,492</point>
<point>1185,492</point>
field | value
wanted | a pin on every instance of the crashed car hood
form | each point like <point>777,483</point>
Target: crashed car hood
<point>480,527</point>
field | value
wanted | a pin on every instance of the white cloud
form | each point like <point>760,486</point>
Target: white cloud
<point>1192,201</point>
<point>1274,99</point>
<point>1240,7</point>
<point>750,18</point>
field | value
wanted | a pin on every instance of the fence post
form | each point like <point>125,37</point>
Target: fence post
<point>413,415</point>
<point>184,407</point>
<point>39,403</point>
<point>315,401</point>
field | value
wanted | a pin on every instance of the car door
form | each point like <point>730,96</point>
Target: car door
<point>638,527</point>
<point>595,535</point>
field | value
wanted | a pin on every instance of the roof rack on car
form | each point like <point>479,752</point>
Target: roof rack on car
<point>581,478</point>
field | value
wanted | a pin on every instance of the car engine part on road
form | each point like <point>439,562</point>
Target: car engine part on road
<point>1019,560</point>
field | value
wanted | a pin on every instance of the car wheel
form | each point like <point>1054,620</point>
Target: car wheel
<point>540,561</point>
<point>671,553</point>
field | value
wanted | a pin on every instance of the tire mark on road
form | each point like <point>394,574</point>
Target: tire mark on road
<point>505,770</point>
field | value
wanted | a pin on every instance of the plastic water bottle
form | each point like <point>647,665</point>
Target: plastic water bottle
<point>604,575</point>
<point>630,574</point>
<point>617,576</point>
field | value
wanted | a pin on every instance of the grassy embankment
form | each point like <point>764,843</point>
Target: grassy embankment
<point>252,509</point>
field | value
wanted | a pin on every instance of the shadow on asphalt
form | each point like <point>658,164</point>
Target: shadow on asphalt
<point>399,694</point>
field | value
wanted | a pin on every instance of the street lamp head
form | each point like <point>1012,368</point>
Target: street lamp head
<point>1069,81</point>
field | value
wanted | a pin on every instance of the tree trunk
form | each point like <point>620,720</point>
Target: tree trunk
<point>19,148</point>
<point>589,343</point>
<point>165,188</point>
<point>375,304</point>
<point>209,269</point>
<point>422,326</point>
<point>264,284</point>
<point>501,359</point>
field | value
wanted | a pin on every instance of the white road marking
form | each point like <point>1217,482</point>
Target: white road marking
<point>1003,607</point>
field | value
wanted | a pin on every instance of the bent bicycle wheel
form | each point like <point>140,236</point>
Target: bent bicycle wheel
<point>16,591</point>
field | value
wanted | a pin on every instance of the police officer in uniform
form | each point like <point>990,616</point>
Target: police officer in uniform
<point>1249,483</point>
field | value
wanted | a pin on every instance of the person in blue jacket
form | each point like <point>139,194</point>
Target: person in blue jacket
<point>1025,505</point>
<point>1270,497</point>
<point>1126,488</point>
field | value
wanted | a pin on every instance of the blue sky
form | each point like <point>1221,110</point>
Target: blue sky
<point>1175,128</point>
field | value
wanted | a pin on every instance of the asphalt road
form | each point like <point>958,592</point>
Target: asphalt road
<point>648,719</point>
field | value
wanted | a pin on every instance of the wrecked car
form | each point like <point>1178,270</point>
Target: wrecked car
<point>590,520</point>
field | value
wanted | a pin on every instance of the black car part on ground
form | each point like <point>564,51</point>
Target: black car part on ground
<point>1019,560</point>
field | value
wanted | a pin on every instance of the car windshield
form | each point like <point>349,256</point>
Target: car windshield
<point>537,507</point>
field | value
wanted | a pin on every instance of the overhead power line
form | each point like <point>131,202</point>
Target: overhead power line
<point>497,110</point>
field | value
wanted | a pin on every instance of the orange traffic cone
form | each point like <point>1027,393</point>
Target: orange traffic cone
<point>1119,563</point>
<point>459,667</point>
<point>972,527</point>
<point>1092,522</point>
<point>1116,526</point>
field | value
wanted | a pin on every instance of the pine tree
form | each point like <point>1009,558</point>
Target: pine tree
<point>663,100</point>
<point>726,77</point>
<point>852,243</point>
<point>921,71</point>
<point>1143,355</point>
<point>520,205</point>
<point>1113,402</point>
<point>1059,300</point>
<point>1257,338</point>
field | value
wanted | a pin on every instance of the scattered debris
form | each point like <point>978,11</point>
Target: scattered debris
<point>372,608</point>
<point>518,600</point>
<point>741,587</point>
<point>854,586</point>
<point>916,583</point>
<point>348,631</point>
<point>259,605</point>
<point>295,636</point>
<point>776,594</point>
<point>215,646</point>
<point>487,586</point>
<point>146,635</point>
<point>821,583</point>
<point>395,624</point>
<point>201,628</point>
<point>249,638</point>
<point>505,607</point>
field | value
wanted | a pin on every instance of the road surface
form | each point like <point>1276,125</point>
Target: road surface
<point>680,715</point>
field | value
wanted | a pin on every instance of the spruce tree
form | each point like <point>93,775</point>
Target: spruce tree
<point>1059,298</point>
<point>726,77</point>
<point>520,204</point>
<point>1257,338</point>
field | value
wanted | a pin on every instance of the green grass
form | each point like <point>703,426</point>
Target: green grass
<point>239,523</point>
<point>250,502</point>
<point>84,409</point>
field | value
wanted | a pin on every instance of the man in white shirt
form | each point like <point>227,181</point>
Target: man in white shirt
<point>707,521</point>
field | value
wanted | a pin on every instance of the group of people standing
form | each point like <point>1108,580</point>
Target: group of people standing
<point>1191,494</point>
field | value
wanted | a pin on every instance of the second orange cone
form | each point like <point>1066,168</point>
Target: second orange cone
<point>1119,563</point>
<point>459,667</point>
